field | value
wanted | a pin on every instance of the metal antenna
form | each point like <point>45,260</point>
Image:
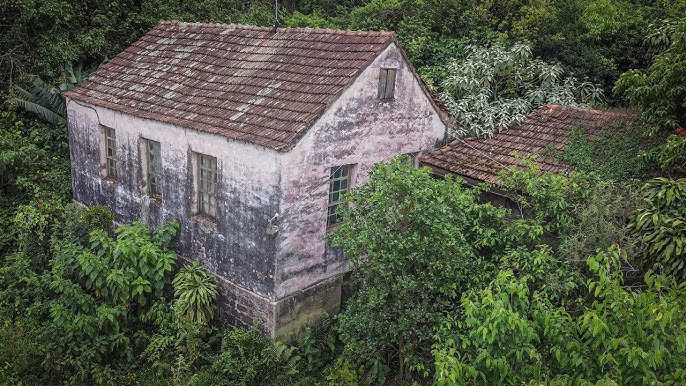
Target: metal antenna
<point>276,15</point>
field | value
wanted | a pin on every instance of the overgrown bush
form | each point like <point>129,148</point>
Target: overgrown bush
<point>515,333</point>
<point>495,86</point>
<point>246,358</point>
<point>415,243</point>
<point>661,225</point>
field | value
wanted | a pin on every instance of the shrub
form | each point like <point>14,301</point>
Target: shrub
<point>514,333</point>
<point>247,359</point>
<point>196,293</point>
<point>661,224</point>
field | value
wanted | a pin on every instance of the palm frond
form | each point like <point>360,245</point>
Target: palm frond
<point>45,113</point>
<point>24,94</point>
<point>41,99</point>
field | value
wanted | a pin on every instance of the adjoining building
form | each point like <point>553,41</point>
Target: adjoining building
<point>543,131</point>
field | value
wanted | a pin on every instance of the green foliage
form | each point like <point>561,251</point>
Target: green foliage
<point>196,293</point>
<point>669,156</point>
<point>342,374</point>
<point>97,217</point>
<point>579,213</point>
<point>42,100</point>
<point>47,101</point>
<point>612,155</point>
<point>515,333</point>
<point>493,87</point>
<point>415,243</point>
<point>34,168</point>
<point>552,199</point>
<point>659,93</point>
<point>101,292</point>
<point>246,359</point>
<point>661,224</point>
<point>319,347</point>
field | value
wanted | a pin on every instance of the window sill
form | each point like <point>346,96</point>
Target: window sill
<point>205,219</point>
<point>157,200</point>
<point>330,228</point>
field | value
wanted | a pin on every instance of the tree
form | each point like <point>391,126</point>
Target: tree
<point>517,331</point>
<point>47,101</point>
<point>659,93</point>
<point>415,243</point>
<point>493,87</point>
<point>661,225</point>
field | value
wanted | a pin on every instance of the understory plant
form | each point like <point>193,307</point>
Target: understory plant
<point>195,294</point>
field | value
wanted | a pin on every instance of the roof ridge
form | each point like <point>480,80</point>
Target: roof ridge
<point>164,22</point>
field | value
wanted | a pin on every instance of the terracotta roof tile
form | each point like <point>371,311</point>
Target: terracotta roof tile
<point>243,82</point>
<point>548,127</point>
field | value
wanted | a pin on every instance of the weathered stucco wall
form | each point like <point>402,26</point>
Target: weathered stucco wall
<point>357,129</point>
<point>236,245</point>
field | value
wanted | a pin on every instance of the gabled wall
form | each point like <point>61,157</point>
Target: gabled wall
<point>359,129</point>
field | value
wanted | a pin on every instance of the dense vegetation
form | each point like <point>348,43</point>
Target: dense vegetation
<point>582,283</point>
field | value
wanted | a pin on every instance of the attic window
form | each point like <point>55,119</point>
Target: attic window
<point>387,83</point>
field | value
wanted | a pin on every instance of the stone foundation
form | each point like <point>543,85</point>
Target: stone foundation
<point>284,319</point>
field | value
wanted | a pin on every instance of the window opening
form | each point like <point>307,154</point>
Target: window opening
<point>154,168</point>
<point>339,184</point>
<point>207,185</point>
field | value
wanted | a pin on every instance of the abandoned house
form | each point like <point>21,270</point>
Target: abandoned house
<point>478,160</point>
<point>249,136</point>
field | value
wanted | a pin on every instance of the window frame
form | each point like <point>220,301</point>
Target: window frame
<point>154,173</point>
<point>343,178</point>
<point>206,187</point>
<point>110,151</point>
<point>387,78</point>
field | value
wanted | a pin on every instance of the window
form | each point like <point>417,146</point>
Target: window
<point>207,185</point>
<point>339,183</point>
<point>387,83</point>
<point>154,163</point>
<point>110,153</point>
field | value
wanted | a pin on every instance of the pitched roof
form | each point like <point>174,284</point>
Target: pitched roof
<point>548,127</point>
<point>243,82</point>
